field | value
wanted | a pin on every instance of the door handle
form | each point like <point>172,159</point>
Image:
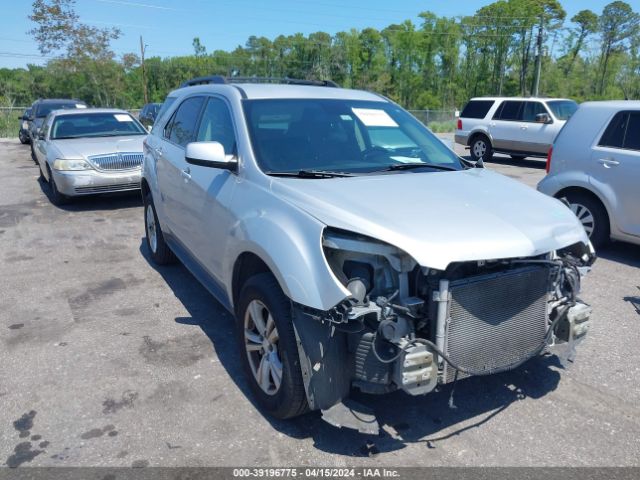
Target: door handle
<point>523,127</point>
<point>608,162</point>
<point>186,174</point>
<point>158,151</point>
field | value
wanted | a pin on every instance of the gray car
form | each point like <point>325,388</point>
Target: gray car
<point>89,151</point>
<point>349,244</point>
<point>595,167</point>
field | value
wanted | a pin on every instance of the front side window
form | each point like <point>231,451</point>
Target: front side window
<point>216,126</point>
<point>509,110</point>
<point>563,109</point>
<point>95,125</point>
<point>181,129</point>
<point>531,110</point>
<point>347,136</point>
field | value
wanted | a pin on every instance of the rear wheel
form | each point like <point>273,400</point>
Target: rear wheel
<point>160,251</point>
<point>592,215</point>
<point>268,347</point>
<point>481,149</point>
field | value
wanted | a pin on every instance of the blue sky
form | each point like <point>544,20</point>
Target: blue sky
<point>169,26</point>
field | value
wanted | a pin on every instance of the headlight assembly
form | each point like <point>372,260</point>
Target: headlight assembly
<point>71,165</point>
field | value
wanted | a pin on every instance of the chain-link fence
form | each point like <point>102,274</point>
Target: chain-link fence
<point>439,121</point>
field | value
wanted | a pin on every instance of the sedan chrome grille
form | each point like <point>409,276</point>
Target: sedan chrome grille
<point>117,161</point>
<point>495,321</point>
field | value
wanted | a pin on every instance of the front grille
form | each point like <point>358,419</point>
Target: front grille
<point>118,187</point>
<point>496,321</point>
<point>117,161</point>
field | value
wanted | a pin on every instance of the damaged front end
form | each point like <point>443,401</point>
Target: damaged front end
<point>409,327</point>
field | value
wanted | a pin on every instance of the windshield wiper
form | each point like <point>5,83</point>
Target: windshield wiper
<point>411,166</point>
<point>310,174</point>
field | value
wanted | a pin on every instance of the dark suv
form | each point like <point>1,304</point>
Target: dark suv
<point>149,113</point>
<point>41,108</point>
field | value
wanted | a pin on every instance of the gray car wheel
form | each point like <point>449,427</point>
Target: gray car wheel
<point>158,248</point>
<point>57,198</point>
<point>269,349</point>
<point>592,216</point>
<point>481,149</point>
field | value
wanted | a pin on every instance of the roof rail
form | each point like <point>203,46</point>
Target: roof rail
<point>219,79</point>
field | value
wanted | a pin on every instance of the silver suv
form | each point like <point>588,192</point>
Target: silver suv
<point>595,167</point>
<point>347,241</point>
<point>520,127</point>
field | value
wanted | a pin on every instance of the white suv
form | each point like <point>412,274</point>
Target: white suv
<point>520,127</point>
<point>595,168</point>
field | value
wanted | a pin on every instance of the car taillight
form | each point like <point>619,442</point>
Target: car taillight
<point>548,167</point>
<point>459,124</point>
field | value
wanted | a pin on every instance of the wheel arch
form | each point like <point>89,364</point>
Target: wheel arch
<point>590,193</point>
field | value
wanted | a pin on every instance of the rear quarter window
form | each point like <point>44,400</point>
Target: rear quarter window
<point>477,109</point>
<point>614,134</point>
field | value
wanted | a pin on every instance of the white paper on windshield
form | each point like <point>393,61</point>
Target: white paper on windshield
<point>79,105</point>
<point>373,117</point>
<point>121,117</point>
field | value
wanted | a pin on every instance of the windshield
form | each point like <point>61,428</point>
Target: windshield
<point>563,109</point>
<point>341,136</point>
<point>45,109</point>
<point>95,125</point>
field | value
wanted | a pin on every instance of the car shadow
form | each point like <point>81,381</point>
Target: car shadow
<point>101,201</point>
<point>404,419</point>
<point>621,252</point>
<point>529,162</point>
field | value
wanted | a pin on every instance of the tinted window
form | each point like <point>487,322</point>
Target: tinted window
<point>563,109</point>
<point>45,109</point>
<point>531,109</point>
<point>509,110</point>
<point>632,136</point>
<point>182,126</point>
<point>216,126</point>
<point>340,136</point>
<point>95,125</point>
<point>477,109</point>
<point>614,134</point>
<point>165,106</point>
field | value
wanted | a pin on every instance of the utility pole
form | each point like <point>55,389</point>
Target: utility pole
<point>143,47</point>
<point>536,86</point>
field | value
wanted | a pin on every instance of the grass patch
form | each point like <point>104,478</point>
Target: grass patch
<point>442,127</point>
<point>9,123</point>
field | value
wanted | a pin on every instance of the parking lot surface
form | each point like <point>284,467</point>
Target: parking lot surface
<point>107,360</point>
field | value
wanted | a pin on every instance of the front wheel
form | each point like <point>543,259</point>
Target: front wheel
<point>592,216</point>
<point>269,349</point>
<point>481,149</point>
<point>57,198</point>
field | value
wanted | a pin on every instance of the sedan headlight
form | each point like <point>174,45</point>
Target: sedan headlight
<point>64,164</point>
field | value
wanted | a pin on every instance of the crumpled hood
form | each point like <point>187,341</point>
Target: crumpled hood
<point>440,217</point>
<point>86,147</point>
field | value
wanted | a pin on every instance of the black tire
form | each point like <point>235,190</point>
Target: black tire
<point>23,138</point>
<point>161,254</point>
<point>290,399</point>
<point>56,197</point>
<point>33,155</point>
<point>480,148</point>
<point>592,215</point>
<point>518,157</point>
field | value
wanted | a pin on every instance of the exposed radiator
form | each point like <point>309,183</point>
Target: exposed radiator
<point>496,320</point>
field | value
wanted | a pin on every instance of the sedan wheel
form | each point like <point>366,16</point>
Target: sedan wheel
<point>261,346</point>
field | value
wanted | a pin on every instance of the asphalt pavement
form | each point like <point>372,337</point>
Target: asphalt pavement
<point>107,360</point>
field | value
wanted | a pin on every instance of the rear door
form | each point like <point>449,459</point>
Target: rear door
<point>172,168</point>
<point>208,192</point>
<point>615,169</point>
<point>505,127</point>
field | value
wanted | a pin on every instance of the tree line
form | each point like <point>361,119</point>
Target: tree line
<point>437,62</point>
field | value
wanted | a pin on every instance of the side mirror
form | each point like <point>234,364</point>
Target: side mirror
<point>40,135</point>
<point>543,118</point>
<point>209,154</point>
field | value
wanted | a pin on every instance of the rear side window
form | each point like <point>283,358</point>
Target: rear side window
<point>614,134</point>
<point>181,129</point>
<point>509,110</point>
<point>632,135</point>
<point>477,109</point>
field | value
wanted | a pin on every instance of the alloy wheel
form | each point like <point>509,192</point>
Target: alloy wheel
<point>585,216</point>
<point>261,345</point>
<point>479,148</point>
<point>152,234</point>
